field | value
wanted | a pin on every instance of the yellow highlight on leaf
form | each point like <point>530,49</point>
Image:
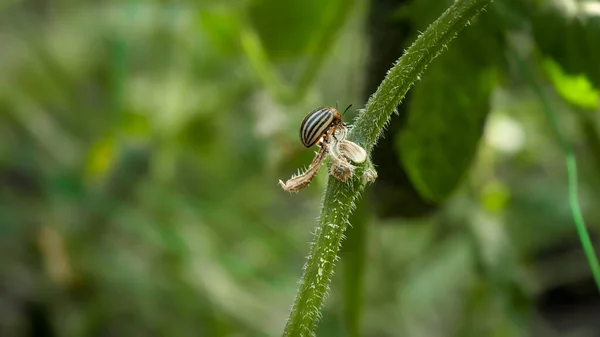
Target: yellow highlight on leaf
<point>136,125</point>
<point>495,196</point>
<point>575,89</point>
<point>101,157</point>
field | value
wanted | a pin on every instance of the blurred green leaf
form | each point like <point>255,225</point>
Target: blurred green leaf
<point>495,195</point>
<point>222,28</point>
<point>570,34</point>
<point>288,29</point>
<point>445,122</point>
<point>302,30</point>
<point>576,90</point>
<point>101,157</point>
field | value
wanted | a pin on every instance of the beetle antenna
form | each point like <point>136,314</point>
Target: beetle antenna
<point>347,109</point>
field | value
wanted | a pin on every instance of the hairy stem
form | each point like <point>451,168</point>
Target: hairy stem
<point>340,198</point>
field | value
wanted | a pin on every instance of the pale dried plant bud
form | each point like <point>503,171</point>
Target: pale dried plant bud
<point>300,181</point>
<point>341,151</point>
<point>335,138</point>
<point>353,151</point>
<point>370,175</point>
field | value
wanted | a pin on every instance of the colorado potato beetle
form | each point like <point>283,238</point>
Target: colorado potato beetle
<point>318,122</point>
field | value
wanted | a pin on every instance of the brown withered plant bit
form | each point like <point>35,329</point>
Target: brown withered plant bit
<point>341,170</point>
<point>342,151</point>
<point>300,181</point>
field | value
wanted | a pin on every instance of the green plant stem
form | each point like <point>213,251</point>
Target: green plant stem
<point>571,165</point>
<point>340,198</point>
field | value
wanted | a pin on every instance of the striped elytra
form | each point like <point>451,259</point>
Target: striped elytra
<point>317,123</point>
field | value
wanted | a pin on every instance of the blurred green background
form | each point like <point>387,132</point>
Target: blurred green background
<point>141,143</point>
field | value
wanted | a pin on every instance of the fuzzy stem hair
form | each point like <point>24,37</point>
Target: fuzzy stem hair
<point>340,198</point>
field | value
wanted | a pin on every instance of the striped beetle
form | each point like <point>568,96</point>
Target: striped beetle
<point>318,122</point>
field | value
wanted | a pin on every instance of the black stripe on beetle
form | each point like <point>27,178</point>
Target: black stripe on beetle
<point>319,121</point>
<point>316,124</point>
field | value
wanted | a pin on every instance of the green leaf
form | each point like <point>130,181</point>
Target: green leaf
<point>446,117</point>
<point>222,28</point>
<point>299,25</point>
<point>576,90</point>
<point>570,35</point>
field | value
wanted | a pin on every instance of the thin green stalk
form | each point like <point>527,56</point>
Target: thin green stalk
<point>571,165</point>
<point>340,198</point>
<point>259,60</point>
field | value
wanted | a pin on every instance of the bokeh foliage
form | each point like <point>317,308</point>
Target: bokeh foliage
<point>141,143</point>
